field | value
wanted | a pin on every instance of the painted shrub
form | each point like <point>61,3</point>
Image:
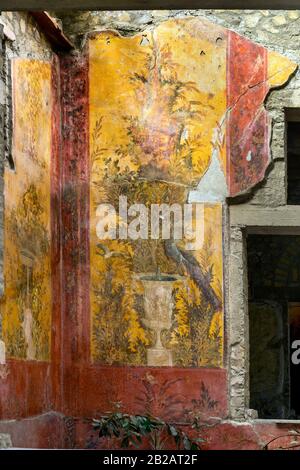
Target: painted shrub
<point>26,305</point>
<point>176,115</point>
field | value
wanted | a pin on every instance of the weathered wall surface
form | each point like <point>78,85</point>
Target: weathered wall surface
<point>27,39</point>
<point>88,97</point>
<point>21,37</point>
<point>26,305</point>
<point>115,133</point>
<point>277,30</point>
<point>2,147</point>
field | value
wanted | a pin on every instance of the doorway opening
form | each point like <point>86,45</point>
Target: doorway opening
<point>293,156</point>
<point>274,325</point>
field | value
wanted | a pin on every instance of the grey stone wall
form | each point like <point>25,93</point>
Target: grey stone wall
<point>275,28</point>
<point>29,39</point>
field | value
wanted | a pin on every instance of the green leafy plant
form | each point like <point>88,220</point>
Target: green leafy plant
<point>130,430</point>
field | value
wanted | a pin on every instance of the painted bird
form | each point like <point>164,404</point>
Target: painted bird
<point>185,259</point>
<point>105,251</point>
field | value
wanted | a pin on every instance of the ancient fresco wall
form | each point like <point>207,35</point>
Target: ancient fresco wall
<point>248,123</point>
<point>176,116</point>
<point>27,300</point>
<point>152,143</point>
<point>30,249</point>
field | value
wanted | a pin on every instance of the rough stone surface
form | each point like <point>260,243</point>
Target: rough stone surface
<point>238,327</point>
<point>5,441</point>
<point>30,42</point>
<point>44,431</point>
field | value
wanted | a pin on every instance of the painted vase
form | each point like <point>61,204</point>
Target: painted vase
<point>158,304</point>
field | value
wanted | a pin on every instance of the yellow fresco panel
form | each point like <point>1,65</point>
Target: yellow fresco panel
<point>157,110</point>
<point>280,69</point>
<point>26,305</point>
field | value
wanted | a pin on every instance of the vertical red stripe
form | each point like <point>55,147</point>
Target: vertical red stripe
<point>247,125</point>
<point>55,169</point>
<point>75,221</point>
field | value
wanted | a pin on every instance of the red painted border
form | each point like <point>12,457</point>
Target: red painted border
<point>75,219</point>
<point>56,333</point>
<point>247,123</point>
<point>25,388</point>
<point>165,392</point>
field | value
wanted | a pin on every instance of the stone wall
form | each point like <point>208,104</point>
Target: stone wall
<point>29,41</point>
<point>264,26</point>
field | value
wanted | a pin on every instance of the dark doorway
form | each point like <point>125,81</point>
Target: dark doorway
<point>274,325</point>
<point>294,322</point>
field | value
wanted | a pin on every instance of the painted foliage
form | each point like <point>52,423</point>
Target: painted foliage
<point>151,142</point>
<point>171,122</point>
<point>26,305</point>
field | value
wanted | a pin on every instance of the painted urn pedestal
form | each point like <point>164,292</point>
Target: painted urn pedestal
<point>158,303</point>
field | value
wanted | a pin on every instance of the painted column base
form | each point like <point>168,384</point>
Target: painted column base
<point>159,357</point>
